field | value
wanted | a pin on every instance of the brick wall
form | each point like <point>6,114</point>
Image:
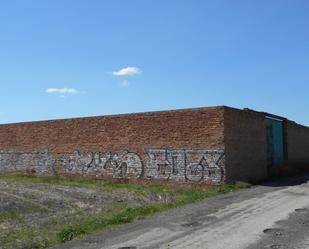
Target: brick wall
<point>245,145</point>
<point>183,145</point>
<point>297,144</point>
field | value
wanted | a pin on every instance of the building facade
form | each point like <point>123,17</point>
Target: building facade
<point>200,146</point>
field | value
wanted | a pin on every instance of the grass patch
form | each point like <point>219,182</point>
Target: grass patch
<point>88,224</point>
<point>137,188</point>
<point>184,196</point>
<point>8,215</point>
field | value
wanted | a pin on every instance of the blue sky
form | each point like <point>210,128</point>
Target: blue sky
<point>71,58</point>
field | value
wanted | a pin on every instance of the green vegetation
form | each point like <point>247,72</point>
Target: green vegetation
<point>8,215</point>
<point>137,188</point>
<point>86,224</point>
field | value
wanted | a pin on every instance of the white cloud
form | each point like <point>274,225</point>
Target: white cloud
<point>124,83</point>
<point>62,91</point>
<point>127,71</point>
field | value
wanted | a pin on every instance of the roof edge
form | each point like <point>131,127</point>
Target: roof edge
<point>115,115</point>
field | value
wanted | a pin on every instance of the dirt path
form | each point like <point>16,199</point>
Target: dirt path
<point>245,219</point>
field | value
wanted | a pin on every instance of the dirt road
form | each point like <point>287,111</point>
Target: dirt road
<point>273,215</point>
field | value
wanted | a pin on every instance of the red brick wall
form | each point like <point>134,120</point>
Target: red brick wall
<point>205,145</point>
<point>245,145</point>
<point>197,129</point>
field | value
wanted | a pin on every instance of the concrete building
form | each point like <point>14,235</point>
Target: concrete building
<point>203,145</point>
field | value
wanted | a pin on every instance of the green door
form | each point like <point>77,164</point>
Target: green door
<point>275,142</point>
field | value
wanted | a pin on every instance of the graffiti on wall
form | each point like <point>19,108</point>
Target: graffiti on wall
<point>194,165</point>
<point>40,162</point>
<point>124,165</point>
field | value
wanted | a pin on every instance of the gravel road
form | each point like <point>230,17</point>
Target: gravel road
<point>274,215</point>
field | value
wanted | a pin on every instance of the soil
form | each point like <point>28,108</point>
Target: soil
<point>27,206</point>
<point>274,215</point>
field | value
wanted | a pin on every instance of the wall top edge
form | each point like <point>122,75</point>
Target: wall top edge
<point>119,115</point>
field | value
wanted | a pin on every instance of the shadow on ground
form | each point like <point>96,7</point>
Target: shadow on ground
<point>287,181</point>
